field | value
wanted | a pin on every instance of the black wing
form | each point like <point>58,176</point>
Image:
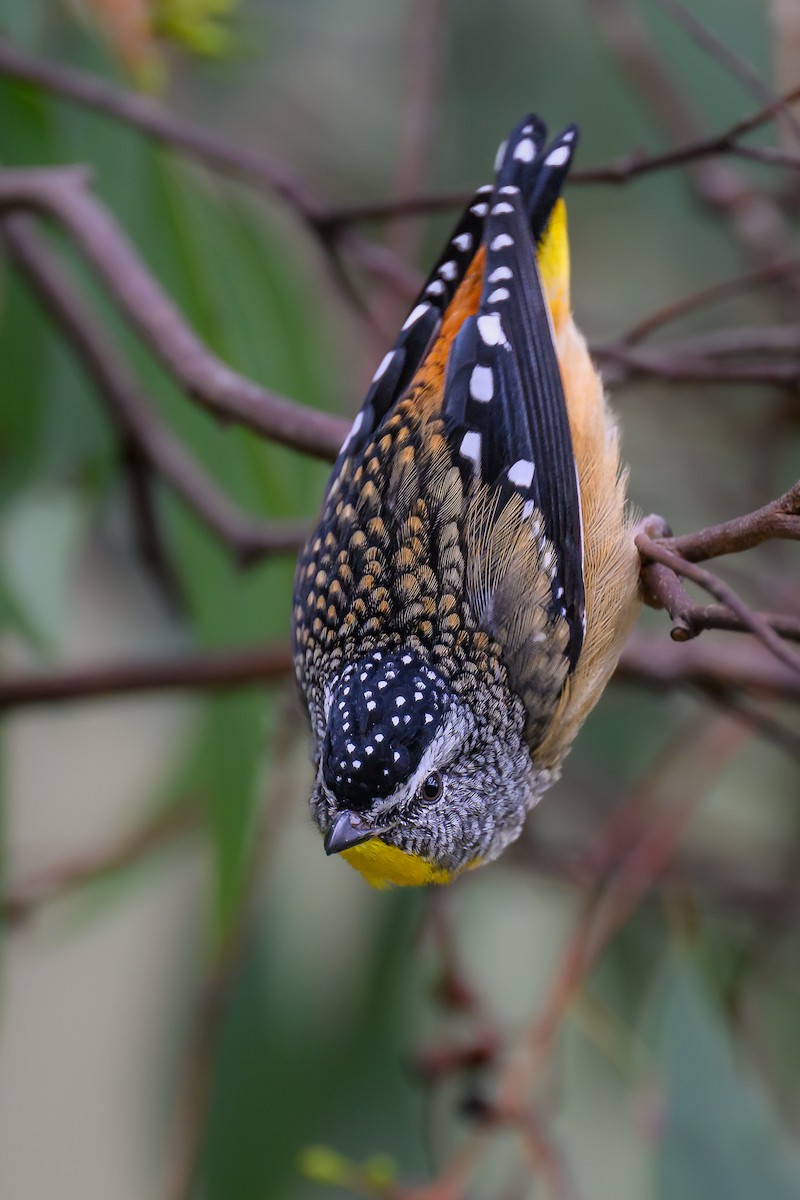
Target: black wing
<point>400,365</point>
<point>504,400</point>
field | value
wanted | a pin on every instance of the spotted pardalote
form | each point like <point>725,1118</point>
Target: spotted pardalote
<point>466,593</point>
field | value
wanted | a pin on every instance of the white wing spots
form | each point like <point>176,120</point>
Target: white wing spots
<point>527,510</point>
<point>371,704</point>
<point>350,747</point>
<point>354,428</point>
<point>436,288</point>
<point>356,763</point>
<point>501,153</point>
<point>378,737</point>
<point>463,241</point>
<point>491,331</point>
<point>484,188</point>
<point>569,136</point>
<point>417,695</point>
<point>381,684</point>
<point>395,720</point>
<point>501,241</point>
<point>497,295</point>
<point>508,190</point>
<point>557,157</point>
<point>369,749</point>
<point>406,660</point>
<point>448,270</point>
<point>400,701</point>
<point>500,273</point>
<point>395,755</point>
<point>415,315</point>
<point>480,209</point>
<point>521,474</point>
<point>471,446</point>
<point>428,718</point>
<point>481,384</point>
<point>525,151</point>
<point>382,368</point>
<point>500,209</point>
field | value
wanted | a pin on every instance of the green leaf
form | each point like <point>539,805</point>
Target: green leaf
<point>720,1140</point>
<point>40,534</point>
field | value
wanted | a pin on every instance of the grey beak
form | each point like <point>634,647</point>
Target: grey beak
<point>345,833</point>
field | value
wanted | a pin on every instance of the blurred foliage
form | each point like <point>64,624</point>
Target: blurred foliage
<point>679,1075</point>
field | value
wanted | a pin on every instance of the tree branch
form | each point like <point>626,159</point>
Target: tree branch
<point>247,538</point>
<point>61,193</point>
<point>660,553</point>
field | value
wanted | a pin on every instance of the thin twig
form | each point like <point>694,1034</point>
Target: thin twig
<point>761,277</point>
<point>732,62</point>
<point>659,552</point>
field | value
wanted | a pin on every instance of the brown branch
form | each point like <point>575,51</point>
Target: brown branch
<point>778,519</point>
<point>219,670</point>
<point>660,553</point>
<point>247,538</point>
<point>61,193</point>
<point>646,660</point>
<point>621,170</point>
<point>678,367</point>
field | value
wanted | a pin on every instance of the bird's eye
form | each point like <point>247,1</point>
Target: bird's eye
<point>432,787</point>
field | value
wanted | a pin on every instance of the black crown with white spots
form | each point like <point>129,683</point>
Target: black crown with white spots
<point>384,713</point>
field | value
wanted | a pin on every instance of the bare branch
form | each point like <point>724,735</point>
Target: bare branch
<point>778,519</point>
<point>762,276</point>
<point>62,194</point>
<point>734,63</point>
<point>248,538</point>
<point>660,553</point>
<point>219,670</point>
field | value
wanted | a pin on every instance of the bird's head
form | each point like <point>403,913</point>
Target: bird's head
<point>413,784</point>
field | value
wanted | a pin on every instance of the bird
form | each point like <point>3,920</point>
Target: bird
<point>473,576</point>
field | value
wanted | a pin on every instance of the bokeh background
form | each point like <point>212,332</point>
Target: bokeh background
<point>675,1075</point>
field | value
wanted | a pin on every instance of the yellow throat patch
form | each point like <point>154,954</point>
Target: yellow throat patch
<point>383,865</point>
